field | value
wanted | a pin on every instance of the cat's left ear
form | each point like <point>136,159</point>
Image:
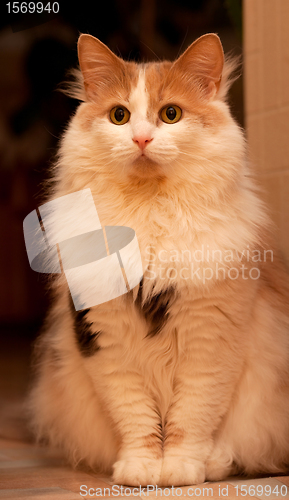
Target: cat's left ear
<point>204,61</point>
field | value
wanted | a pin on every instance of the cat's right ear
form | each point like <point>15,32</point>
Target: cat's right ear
<point>97,63</point>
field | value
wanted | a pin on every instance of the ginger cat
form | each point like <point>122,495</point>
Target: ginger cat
<point>184,378</point>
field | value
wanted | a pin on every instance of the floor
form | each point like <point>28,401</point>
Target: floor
<point>28,471</point>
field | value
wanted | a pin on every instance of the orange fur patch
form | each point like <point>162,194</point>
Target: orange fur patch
<point>174,436</point>
<point>153,443</point>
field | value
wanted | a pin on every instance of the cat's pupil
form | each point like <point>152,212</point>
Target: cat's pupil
<point>171,113</point>
<point>119,114</point>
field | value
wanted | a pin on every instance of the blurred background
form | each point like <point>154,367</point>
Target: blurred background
<point>36,51</point>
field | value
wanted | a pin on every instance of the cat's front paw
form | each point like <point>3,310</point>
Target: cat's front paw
<point>182,471</point>
<point>137,471</point>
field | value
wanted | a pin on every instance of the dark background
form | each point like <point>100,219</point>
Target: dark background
<point>35,54</point>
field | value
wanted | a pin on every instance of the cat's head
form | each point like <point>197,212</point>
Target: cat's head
<point>159,120</point>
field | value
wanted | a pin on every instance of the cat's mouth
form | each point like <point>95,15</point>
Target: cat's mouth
<point>144,156</point>
<point>144,160</point>
<point>144,166</point>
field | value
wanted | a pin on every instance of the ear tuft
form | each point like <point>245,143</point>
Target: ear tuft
<point>73,86</point>
<point>231,72</point>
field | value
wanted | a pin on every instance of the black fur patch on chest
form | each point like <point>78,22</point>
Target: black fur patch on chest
<point>86,338</point>
<point>155,309</point>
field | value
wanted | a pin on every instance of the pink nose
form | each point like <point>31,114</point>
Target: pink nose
<point>142,141</point>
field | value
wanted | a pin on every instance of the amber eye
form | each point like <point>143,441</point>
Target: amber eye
<point>119,115</point>
<point>171,114</point>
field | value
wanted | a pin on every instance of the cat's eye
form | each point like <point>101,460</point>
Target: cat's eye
<point>119,115</point>
<point>171,114</point>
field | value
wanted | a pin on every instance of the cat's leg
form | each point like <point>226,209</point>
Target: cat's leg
<point>136,420</point>
<point>118,376</point>
<point>140,458</point>
<point>208,370</point>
